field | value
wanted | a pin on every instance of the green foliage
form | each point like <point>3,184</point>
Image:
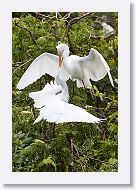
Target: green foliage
<point>68,147</point>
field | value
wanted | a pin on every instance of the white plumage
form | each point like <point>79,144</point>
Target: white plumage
<point>62,112</point>
<point>81,69</point>
<point>45,63</point>
<point>41,97</point>
<point>53,104</point>
<point>107,30</point>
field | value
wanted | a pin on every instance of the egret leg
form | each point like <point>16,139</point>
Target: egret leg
<point>84,85</point>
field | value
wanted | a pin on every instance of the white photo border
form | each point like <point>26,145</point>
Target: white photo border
<point>123,174</point>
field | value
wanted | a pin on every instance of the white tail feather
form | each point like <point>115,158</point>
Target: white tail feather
<point>79,83</point>
<point>38,119</point>
<point>110,77</point>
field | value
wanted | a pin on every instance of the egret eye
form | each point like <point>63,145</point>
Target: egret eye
<point>58,92</point>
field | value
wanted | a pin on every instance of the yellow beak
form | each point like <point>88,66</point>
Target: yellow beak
<point>60,60</point>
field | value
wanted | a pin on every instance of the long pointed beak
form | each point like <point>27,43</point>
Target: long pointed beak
<point>60,60</point>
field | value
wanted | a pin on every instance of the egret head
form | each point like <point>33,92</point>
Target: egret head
<point>62,50</point>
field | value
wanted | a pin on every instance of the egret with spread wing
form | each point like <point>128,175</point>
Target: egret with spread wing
<point>53,104</point>
<point>81,69</point>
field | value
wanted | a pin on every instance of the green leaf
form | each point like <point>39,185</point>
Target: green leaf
<point>47,161</point>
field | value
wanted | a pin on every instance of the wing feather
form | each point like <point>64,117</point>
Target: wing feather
<point>45,63</point>
<point>42,97</point>
<point>61,112</point>
<point>95,66</point>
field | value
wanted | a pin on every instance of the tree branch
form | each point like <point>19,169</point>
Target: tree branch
<point>30,33</point>
<point>74,20</point>
<point>22,65</point>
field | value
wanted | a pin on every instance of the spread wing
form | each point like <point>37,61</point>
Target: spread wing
<point>95,66</point>
<point>45,63</point>
<point>61,112</point>
<point>42,97</point>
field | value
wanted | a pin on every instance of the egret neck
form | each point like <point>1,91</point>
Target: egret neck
<point>64,94</point>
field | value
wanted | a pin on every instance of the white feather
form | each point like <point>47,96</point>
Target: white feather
<point>56,107</point>
<point>61,112</point>
<point>107,30</point>
<point>38,119</point>
<point>95,67</point>
<point>42,97</point>
<point>79,83</point>
<point>45,63</point>
<point>82,69</point>
<point>110,77</point>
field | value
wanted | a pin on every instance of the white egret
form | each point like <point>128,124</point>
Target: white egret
<point>54,106</point>
<point>81,69</point>
<point>107,30</point>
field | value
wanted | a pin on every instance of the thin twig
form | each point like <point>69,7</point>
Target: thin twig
<point>94,107</point>
<point>22,65</point>
<point>22,27</point>
<point>73,146</point>
<point>59,15</point>
<point>77,153</point>
<point>74,20</point>
<point>67,16</point>
<point>71,143</point>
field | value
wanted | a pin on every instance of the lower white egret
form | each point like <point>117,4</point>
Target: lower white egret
<point>81,69</point>
<point>53,104</point>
